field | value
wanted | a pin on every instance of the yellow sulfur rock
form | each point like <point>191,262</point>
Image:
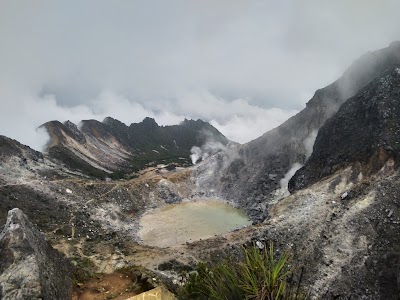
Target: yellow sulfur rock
<point>159,293</point>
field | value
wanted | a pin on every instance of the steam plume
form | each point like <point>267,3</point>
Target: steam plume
<point>209,148</point>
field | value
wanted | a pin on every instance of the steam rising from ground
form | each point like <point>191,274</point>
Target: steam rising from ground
<point>309,143</point>
<point>285,180</point>
<point>209,148</point>
<point>283,191</point>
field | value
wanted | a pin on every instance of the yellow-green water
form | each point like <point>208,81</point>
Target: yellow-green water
<point>185,222</point>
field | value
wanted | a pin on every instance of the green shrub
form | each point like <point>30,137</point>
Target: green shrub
<point>261,276</point>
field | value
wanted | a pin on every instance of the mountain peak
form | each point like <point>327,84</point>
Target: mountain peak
<point>149,122</point>
<point>112,121</point>
<point>395,45</point>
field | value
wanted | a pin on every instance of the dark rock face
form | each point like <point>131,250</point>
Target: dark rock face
<point>365,130</point>
<point>29,267</point>
<point>251,174</point>
<point>10,148</point>
<point>101,148</point>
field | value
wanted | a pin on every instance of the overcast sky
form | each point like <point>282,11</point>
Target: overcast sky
<point>245,66</point>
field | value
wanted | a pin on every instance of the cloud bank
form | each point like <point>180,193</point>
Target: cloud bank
<point>245,66</point>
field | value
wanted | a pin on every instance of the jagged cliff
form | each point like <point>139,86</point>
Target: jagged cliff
<point>364,132</point>
<point>250,174</point>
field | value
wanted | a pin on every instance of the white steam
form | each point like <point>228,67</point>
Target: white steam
<point>309,143</point>
<point>209,148</point>
<point>285,180</point>
<point>39,139</point>
<point>283,191</point>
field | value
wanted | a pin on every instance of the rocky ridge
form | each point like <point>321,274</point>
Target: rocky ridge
<point>111,148</point>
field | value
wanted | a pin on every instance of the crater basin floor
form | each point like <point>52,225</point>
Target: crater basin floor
<point>176,224</point>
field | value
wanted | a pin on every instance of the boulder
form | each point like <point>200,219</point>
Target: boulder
<point>29,267</point>
<point>159,293</point>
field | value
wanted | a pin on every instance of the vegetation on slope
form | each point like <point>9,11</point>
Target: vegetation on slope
<point>261,276</point>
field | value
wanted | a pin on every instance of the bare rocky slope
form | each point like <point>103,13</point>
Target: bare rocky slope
<point>93,222</point>
<point>353,175</point>
<point>250,174</point>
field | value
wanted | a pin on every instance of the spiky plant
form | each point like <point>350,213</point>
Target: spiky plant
<point>261,276</point>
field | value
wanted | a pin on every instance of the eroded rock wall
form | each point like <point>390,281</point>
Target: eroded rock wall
<point>29,267</point>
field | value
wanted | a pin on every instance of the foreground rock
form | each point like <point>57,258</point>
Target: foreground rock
<point>29,267</point>
<point>159,293</point>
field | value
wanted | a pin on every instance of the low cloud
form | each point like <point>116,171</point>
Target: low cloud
<point>238,120</point>
<point>243,128</point>
<point>244,66</point>
<point>23,114</point>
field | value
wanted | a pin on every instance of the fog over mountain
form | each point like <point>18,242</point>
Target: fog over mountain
<point>244,66</point>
